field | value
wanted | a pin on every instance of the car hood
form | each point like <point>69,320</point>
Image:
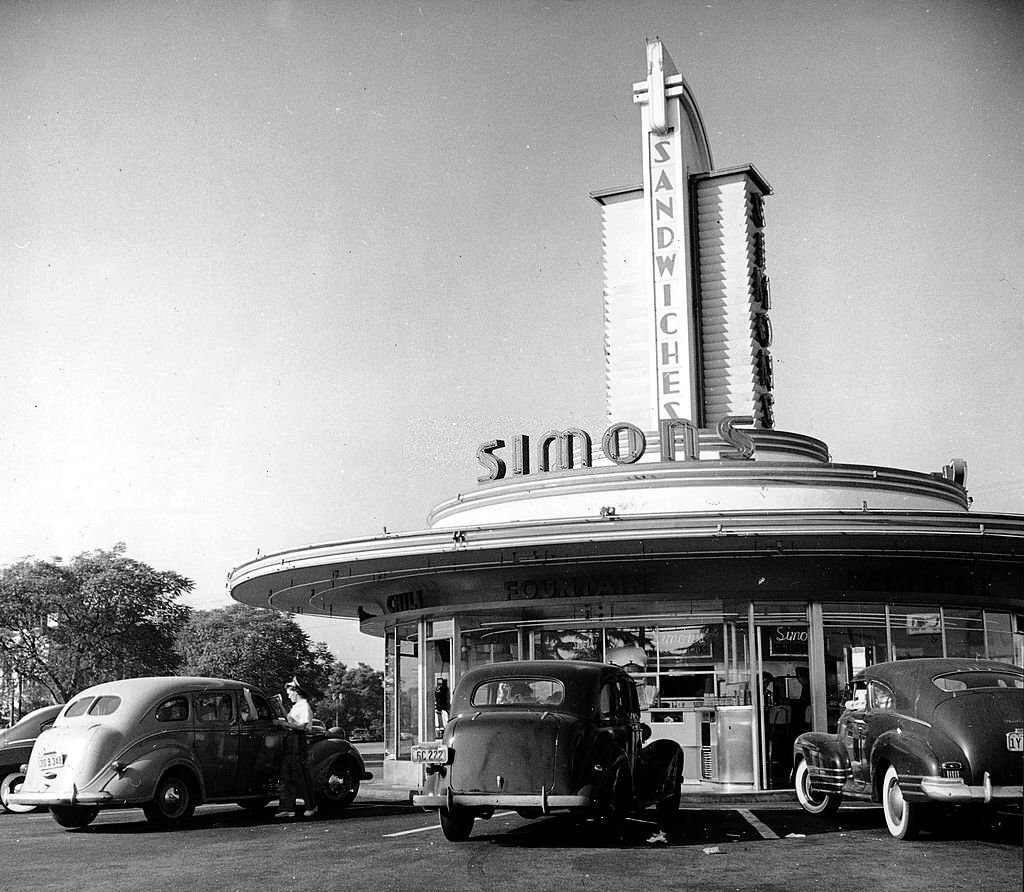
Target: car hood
<point>514,751</point>
<point>978,722</point>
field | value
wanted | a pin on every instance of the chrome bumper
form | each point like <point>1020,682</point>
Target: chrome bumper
<point>944,789</point>
<point>546,803</point>
<point>48,797</point>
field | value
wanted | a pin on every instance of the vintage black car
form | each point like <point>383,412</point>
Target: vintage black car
<point>543,736</point>
<point>917,735</point>
<point>15,746</point>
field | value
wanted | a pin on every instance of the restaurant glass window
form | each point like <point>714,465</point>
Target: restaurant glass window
<point>855,636</point>
<point>484,644</point>
<point>783,654</point>
<point>568,644</point>
<point>1003,638</point>
<point>634,649</point>
<point>407,687</point>
<point>964,631</point>
<point>915,631</point>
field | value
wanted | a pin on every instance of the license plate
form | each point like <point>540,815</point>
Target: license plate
<point>1015,740</point>
<point>432,754</point>
<point>51,760</point>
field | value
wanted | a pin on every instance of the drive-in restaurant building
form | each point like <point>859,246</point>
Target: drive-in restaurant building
<point>738,573</point>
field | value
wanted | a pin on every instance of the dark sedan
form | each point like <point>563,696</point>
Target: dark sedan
<point>15,748</point>
<point>917,735</point>
<point>544,736</point>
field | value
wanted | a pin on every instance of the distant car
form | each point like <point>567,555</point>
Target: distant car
<point>916,735</point>
<point>15,748</point>
<point>170,744</point>
<point>544,736</point>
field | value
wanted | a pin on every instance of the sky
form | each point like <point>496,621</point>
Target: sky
<point>271,271</point>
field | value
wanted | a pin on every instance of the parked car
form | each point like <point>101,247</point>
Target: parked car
<point>917,735</point>
<point>544,736</point>
<point>170,744</point>
<point>15,747</point>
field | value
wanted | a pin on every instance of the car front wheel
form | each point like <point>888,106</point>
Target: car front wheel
<point>456,823</point>
<point>11,784</point>
<point>341,786</point>
<point>173,803</point>
<point>901,817</point>
<point>811,801</point>
<point>73,816</point>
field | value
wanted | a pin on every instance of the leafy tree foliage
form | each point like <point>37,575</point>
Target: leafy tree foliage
<point>264,648</point>
<point>357,699</point>
<point>100,617</point>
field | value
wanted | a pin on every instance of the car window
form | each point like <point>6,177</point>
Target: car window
<point>880,697</point>
<point>970,680</point>
<point>106,705</point>
<point>173,710</point>
<point>512,691</point>
<point>628,702</point>
<point>218,707</point>
<point>608,701</point>
<point>79,707</point>
<point>858,698</point>
<point>254,707</point>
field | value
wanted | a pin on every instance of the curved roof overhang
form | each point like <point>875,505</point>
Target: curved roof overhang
<point>357,578</point>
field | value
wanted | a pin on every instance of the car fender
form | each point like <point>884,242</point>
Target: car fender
<point>323,752</point>
<point>659,765</point>
<point>137,780</point>
<point>820,750</point>
<point>909,753</point>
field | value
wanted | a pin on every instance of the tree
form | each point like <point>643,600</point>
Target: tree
<point>357,697</point>
<point>100,617</point>
<point>261,647</point>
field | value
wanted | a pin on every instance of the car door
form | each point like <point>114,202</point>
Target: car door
<point>879,718</point>
<point>852,731</point>
<point>260,742</point>
<point>216,741</point>
<point>615,724</point>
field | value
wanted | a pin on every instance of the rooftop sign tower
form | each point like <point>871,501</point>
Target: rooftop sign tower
<point>686,293</point>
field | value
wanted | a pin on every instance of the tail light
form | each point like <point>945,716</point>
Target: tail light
<point>952,770</point>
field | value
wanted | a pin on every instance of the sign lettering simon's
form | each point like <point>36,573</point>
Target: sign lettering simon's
<point>622,443</point>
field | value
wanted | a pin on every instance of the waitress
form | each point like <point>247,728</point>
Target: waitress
<point>296,782</point>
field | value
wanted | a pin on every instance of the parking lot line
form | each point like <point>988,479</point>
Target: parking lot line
<point>758,824</point>
<point>501,814</point>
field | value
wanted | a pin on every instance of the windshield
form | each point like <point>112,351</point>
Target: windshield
<point>519,691</point>
<point>970,680</point>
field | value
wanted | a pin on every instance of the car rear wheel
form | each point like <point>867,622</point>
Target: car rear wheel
<point>11,784</point>
<point>73,816</point>
<point>341,786</point>
<point>811,801</point>
<point>901,817</point>
<point>173,803</point>
<point>456,823</point>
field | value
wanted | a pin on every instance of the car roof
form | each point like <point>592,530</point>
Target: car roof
<point>926,668</point>
<point>910,680</point>
<point>563,670</point>
<point>156,686</point>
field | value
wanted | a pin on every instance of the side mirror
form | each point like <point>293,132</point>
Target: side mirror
<point>645,731</point>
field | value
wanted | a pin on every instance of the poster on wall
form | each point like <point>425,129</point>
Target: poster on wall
<point>787,641</point>
<point>923,624</point>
